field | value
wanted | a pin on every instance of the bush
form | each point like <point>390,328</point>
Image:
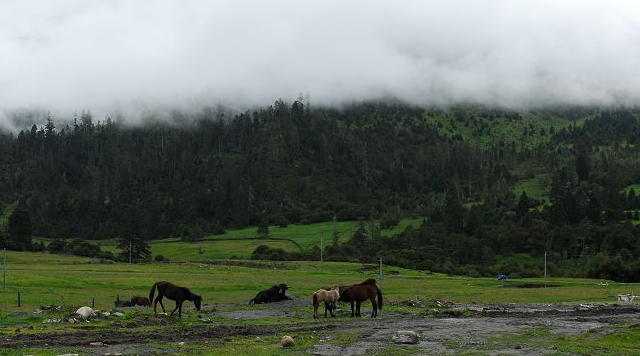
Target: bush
<point>282,222</point>
<point>217,228</point>
<point>83,248</point>
<point>161,258</point>
<point>389,221</point>
<point>349,214</point>
<point>57,246</point>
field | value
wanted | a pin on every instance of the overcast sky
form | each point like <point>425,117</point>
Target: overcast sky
<point>68,55</point>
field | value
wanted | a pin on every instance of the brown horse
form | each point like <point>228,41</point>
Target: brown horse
<point>173,292</point>
<point>142,301</point>
<point>360,292</point>
<point>330,299</point>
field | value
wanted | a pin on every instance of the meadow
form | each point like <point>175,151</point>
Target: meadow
<point>240,243</point>
<point>45,279</point>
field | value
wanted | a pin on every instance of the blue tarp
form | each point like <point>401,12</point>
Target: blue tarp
<point>502,277</point>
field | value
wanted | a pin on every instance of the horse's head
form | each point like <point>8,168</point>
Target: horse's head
<point>282,288</point>
<point>336,288</point>
<point>197,301</point>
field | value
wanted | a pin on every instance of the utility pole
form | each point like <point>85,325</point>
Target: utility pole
<point>4,271</point>
<point>380,275</point>
<point>545,269</point>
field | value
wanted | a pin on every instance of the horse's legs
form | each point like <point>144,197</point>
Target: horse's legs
<point>358,309</point>
<point>159,299</point>
<point>374,312</point>
<point>315,311</point>
<point>177,306</point>
<point>352,314</point>
<point>334,306</point>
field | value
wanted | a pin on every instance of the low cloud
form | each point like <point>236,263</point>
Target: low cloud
<point>64,56</point>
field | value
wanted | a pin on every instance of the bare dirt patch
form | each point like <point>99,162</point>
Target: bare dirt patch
<point>467,327</point>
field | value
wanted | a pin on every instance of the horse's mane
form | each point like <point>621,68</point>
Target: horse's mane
<point>189,293</point>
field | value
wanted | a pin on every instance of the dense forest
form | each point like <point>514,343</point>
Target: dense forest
<point>200,173</point>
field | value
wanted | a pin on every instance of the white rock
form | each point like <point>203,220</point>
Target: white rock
<point>405,337</point>
<point>97,344</point>
<point>287,341</point>
<point>85,312</point>
<point>68,355</point>
<point>118,314</point>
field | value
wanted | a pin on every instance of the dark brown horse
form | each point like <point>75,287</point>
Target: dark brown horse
<point>142,301</point>
<point>175,293</point>
<point>360,292</point>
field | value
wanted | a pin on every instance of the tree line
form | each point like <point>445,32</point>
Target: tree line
<point>287,163</point>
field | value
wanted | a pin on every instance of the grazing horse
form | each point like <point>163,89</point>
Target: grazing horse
<point>273,294</point>
<point>142,301</point>
<point>361,292</point>
<point>173,292</point>
<point>330,299</point>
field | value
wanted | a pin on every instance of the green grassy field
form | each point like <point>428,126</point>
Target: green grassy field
<point>52,279</point>
<point>535,187</point>
<point>526,131</point>
<point>240,243</point>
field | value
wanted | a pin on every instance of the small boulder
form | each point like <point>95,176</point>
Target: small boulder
<point>405,337</point>
<point>287,341</point>
<point>118,314</point>
<point>97,344</point>
<point>85,312</point>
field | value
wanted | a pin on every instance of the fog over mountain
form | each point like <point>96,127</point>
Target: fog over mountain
<point>68,55</point>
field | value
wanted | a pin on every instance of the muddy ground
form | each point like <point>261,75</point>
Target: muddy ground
<point>445,329</point>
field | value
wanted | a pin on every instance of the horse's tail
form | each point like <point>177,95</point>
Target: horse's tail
<point>379,298</point>
<point>315,299</point>
<point>152,292</point>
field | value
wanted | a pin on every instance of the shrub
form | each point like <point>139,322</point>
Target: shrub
<point>389,221</point>
<point>161,258</point>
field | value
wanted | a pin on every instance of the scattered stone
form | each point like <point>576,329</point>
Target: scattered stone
<point>50,307</point>
<point>287,341</point>
<point>97,344</point>
<point>118,314</point>
<point>106,314</point>
<point>113,354</point>
<point>181,343</point>
<point>206,320</point>
<point>85,312</point>
<point>69,355</point>
<point>405,337</point>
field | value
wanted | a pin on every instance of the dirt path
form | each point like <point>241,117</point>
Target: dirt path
<point>458,326</point>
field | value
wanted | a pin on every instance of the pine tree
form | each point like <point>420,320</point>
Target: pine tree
<point>523,206</point>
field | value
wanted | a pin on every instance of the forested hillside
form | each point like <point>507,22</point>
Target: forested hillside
<point>286,163</point>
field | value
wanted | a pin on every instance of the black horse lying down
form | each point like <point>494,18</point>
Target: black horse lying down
<point>273,294</point>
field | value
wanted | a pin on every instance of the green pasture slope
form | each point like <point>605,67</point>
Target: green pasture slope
<point>240,243</point>
<point>530,130</point>
<point>44,279</point>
